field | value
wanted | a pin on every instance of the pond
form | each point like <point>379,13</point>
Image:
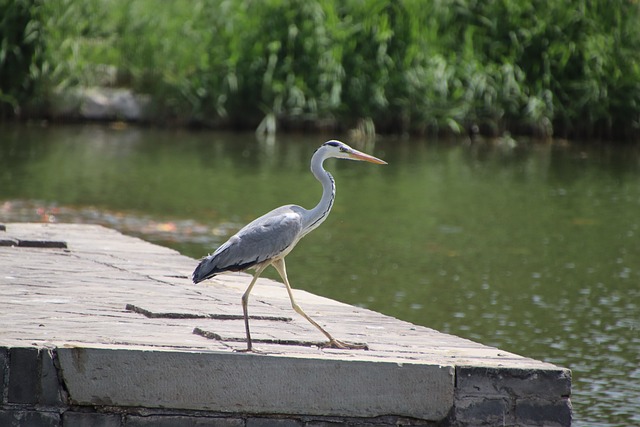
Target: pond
<point>533,247</point>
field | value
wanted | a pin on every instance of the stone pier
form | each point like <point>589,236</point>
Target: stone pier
<point>101,329</point>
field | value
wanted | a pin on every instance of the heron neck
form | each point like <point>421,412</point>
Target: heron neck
<point>320,212</point>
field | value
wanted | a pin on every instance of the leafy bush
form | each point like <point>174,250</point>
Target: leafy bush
<point>20,49</point>
<point>569,67</point>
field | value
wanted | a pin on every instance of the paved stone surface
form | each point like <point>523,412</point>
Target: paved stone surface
<point>121,314</point>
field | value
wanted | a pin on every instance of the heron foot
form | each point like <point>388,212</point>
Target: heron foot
<point>333,343</point>
<point>249,350</point>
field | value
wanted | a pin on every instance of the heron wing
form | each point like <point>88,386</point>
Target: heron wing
<point>261,240</point>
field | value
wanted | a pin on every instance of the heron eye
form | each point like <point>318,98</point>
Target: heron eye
<point>344,150</point>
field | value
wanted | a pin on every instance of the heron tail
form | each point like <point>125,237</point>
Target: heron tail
<point>205,270</point>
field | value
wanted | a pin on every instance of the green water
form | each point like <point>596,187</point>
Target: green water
<point>531,247</point>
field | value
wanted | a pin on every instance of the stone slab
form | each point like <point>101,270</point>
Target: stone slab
<point>253,383</point>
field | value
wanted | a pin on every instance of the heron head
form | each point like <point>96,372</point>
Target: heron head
<point>340,150</point>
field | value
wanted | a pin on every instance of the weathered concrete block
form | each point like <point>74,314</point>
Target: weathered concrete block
<point>18,418</point>
<point>250,383</point>
<point>90,419</point>
<point>181,421</point>
<point>24,375</point>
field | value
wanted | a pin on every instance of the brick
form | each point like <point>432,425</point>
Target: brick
<point>23,375</point>
<point>90,419</point>
<point>17,418</point>
<point>181,421</point>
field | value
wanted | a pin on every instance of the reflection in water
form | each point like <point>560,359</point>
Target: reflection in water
<point>532,248</point>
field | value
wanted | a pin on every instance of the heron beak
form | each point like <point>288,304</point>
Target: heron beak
<point>358,155</point>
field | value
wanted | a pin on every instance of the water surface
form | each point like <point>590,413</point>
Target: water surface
<point>531,247</point>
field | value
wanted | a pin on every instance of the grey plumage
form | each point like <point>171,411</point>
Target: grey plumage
<point>269,238</point>
<point>261,240</point>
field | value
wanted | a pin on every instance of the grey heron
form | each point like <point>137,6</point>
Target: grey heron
<point>269,239</point>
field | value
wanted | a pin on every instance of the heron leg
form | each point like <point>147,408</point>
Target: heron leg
<point>282,270</point>
<point>245,302</point>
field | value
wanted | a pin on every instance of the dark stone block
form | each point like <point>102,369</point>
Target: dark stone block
<point>181,421</point>
<point>272,422</point>
<point>484,411</point>
<point>4,372</point>
<point>51,393</point>
<point>328,424</point>
<point>536,412</point>
<point>42,244</point>
<point>24,375</point>
<point>90,419</point>
<point>17,418</point>
<point>513,382</point>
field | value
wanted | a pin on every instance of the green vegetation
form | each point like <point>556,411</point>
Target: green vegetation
<point>21,45</point>
<point>568,67</point>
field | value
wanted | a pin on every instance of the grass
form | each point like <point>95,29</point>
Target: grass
<point>569,68</point>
